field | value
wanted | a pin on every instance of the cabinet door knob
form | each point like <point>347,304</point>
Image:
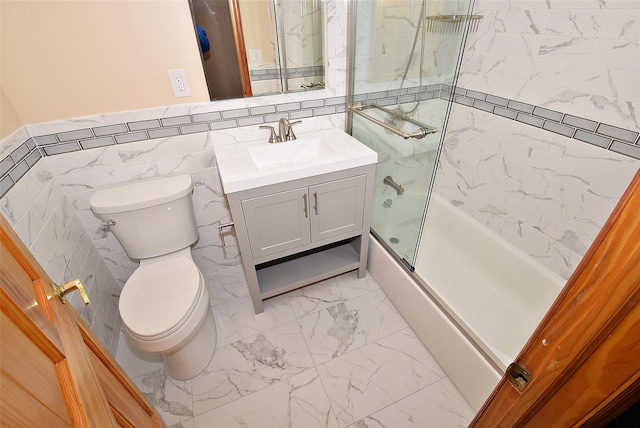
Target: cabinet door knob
<point>306,212</point>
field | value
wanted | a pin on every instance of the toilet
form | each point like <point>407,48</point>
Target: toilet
<point>164,305</point>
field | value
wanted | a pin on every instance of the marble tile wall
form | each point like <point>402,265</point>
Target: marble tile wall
<point>538,185</point>
<point>49,226</point>
<point>302,33</point>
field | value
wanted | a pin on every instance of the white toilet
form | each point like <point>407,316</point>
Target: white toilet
<point>164,305</point>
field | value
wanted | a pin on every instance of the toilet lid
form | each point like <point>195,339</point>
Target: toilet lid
<point>159,297</point>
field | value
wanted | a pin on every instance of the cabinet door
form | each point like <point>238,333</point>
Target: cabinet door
<point>337,207</point>
<point>277,222</point>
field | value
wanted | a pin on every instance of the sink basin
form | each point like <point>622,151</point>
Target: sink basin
<point>253,164</point>
<point>290,152</point>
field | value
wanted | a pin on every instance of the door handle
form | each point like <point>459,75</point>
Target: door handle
<point>62,290</point>
<point>315,202</point>
<point>306,211</point>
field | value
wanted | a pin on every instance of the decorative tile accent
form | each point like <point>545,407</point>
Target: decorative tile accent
<point>559,129</point>
<point>250,121</point>
<point>579,122</point>
<point>132,137</point>
<point>61,148</point>
<point>194,129</point>
<point>5,165</point>
<point>110,129</point>
<point>231,114</point>
<point>162,133</point>
<point>617,133</point>
<point>174,121</point>
<point>632,150</point>
<point>144,124</point>
<point>547,114</point>
<point>74,135</point>
<point>594,139</point>
<point>287,107</point>
<point>255,111</point>
<point>275,74</point>
<point>585,130</point>
<point>96,142</point>
<point>530,120</point>
<point>206,117</point>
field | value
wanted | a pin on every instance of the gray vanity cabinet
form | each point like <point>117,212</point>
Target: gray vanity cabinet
<point>277,222</point>
<point>299,232</point>
<point>282,221</point>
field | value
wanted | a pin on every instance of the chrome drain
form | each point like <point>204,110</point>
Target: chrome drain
<point>394,240</point>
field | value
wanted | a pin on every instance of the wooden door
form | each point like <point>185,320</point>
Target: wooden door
<point>337,207</point>
<point>584,358</point>
<point>277,222</point>
<point>53,371</point>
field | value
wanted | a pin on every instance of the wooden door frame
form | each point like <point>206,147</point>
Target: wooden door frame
<point>241,50</point>
<point>584,356</point>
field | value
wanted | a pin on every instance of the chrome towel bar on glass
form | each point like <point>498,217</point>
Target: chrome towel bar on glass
<point>422,131</point>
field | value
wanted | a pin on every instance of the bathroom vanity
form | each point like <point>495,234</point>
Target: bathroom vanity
<point>301,209</point>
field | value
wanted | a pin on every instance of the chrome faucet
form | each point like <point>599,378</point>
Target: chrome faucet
<point>285,131</point>
<point>388,180</point>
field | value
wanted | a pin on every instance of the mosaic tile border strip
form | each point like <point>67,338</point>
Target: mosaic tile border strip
<point>274,73</point>
<point>609,137</point>
<point>25,156</point>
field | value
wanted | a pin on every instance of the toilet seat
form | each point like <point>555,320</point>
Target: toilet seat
<point>160,297</point>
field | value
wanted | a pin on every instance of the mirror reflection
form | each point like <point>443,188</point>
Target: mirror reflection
<point>260,47</point>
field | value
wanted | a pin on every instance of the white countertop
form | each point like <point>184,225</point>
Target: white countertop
<point>238,171</point>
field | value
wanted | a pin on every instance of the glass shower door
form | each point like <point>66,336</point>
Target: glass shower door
<point>404,66</point>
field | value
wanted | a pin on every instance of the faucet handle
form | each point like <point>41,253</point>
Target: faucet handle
<point>273,137</point>
<point>291,135</point>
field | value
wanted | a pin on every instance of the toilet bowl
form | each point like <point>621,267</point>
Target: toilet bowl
<point>164,305</point>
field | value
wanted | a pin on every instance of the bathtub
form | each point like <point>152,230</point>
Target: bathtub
<point>483,297</point>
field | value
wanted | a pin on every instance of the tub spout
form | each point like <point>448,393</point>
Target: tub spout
<point>388,180</point>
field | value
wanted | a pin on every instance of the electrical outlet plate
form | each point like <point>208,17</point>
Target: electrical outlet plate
<point>179,83</point>
<point>255,56</point>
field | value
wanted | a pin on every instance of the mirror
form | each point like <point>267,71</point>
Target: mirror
<point>260,47</point>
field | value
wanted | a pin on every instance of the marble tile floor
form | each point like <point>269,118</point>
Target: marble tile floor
<point>333,354</point>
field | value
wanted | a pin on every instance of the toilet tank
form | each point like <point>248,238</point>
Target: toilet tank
<point>152,218</point>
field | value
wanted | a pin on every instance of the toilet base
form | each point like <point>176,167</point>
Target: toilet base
<point>191,360</point>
